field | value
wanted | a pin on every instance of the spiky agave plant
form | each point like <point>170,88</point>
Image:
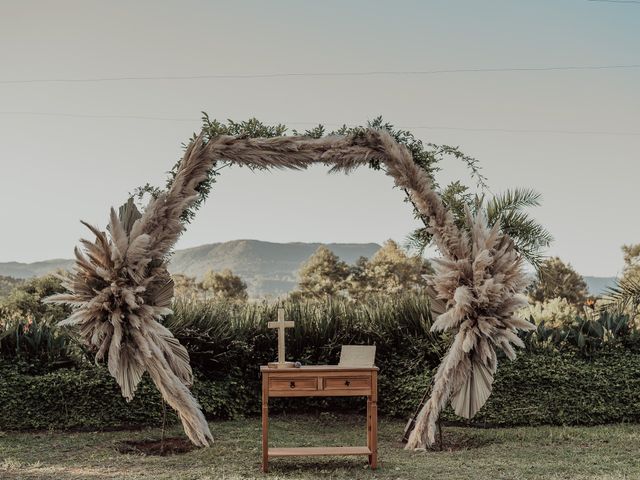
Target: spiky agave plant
<point>120,288</point>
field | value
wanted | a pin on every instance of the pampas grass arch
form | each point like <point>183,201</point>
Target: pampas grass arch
<point>120,287</point>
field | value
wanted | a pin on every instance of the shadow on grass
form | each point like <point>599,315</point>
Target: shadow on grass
<point>170,446</point>
<point>326,465</point>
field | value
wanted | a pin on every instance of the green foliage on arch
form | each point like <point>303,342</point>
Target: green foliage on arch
<point>529,236</point>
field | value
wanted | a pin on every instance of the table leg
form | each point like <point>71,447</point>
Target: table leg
<point>265,438</point>
<point>373,458</point>
<point>373,412</point>
<point>369,426</point>
<point>265,424</point>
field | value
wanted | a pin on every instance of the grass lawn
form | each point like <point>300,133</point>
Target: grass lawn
<point>608,452</point>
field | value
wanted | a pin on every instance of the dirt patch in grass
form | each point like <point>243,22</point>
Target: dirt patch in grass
<point>170,446</point>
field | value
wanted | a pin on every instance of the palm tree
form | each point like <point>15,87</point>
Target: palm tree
<point>529,236</point>
<point>506,208</point>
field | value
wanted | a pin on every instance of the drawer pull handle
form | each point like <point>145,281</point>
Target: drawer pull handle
<point>347,383</point>
<point>292,385</point>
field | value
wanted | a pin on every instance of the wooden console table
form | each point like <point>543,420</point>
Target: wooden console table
<point>321,381</point>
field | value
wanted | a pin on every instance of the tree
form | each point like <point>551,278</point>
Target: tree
<point>389,271</point>
<point>631,270</point>
<point>357,276</point>
<point>322,275</point>
<point>25,300</point>
<point>185,286</point>
<point>556,279</point>
<point>224,285</point>
<point>7,284</point>
<point>507,209</point>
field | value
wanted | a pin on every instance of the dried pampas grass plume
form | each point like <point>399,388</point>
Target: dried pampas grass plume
<point>483,291</point>
<point>120,287</point>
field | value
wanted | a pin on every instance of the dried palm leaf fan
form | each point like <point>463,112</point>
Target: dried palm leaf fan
<point>120,287</point>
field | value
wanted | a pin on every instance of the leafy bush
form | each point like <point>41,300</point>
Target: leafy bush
<point>537,388</point>
<point>586,372</point>
<point>25,300</point>
<point>221,337</point>
<point>7,284</point>
<point>565,389</point>
<point>89,398</point>
<point>557,312</point>
<point>38,345</point>
<point>586,336</point>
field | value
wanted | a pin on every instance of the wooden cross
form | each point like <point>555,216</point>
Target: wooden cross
<point>281,325</point>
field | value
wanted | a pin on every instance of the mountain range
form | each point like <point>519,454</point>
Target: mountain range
<point>268,268</point>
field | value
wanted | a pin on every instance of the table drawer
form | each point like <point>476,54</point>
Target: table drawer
<point>347,383</point>
<point>293,384</point>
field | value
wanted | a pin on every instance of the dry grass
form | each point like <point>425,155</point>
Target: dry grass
<point>550,453</point>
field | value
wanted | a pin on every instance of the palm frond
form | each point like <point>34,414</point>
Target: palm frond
<point>512,199</point>
<point>506,209</point>
<point>529,236</point>
<point>624,295</point>
<point>418,240</point>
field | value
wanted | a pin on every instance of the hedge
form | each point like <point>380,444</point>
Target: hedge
<point>566,390</point>
<point>537,388</point>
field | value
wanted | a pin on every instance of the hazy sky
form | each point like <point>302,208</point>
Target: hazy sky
<point>73,161</point>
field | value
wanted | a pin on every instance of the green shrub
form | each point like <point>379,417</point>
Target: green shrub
<point>221,336</point>
<point>25,300</point>
<point>90,399</point>
<point>586,336</point>
<point>583,373</point>
<point>38,345</point>
<point>565,389</point>
<point>537,388</point>
<point>556,312</point>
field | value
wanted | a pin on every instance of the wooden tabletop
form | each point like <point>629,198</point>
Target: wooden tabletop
<point>318,368</point>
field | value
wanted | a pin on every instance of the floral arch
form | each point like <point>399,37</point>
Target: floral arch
<point>120,286</point>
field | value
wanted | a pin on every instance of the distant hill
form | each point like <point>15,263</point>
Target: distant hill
<point>270,269</point>
<point>35,269</point>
